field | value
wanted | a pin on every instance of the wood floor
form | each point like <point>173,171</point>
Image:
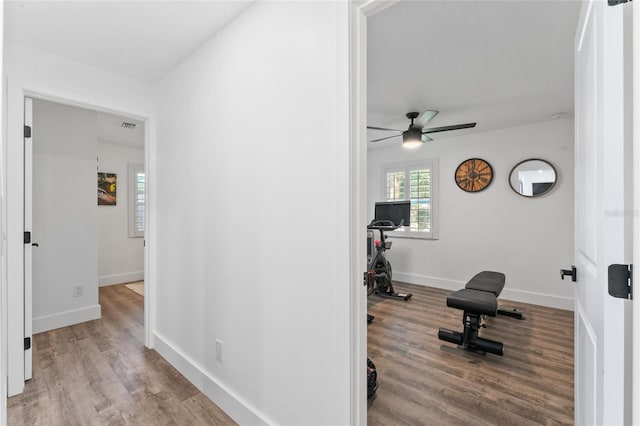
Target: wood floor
<point>99,373</point>
<point>426,381</point>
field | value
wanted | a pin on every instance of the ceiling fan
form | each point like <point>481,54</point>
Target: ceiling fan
<point>416,134</point>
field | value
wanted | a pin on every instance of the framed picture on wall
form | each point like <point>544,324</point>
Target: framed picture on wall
<point>107,185</point>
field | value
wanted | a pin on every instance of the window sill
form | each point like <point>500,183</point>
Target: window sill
<point>411,237</point>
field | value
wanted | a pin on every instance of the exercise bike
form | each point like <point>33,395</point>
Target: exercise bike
<point>379,268</point>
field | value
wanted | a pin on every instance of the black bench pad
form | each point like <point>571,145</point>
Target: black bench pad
<point>487,281</point>
<point>474,301</point>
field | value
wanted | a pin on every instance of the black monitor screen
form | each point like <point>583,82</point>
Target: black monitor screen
<point>395,211</point>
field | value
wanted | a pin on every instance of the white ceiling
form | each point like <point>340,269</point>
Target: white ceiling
<point>497,63</point>
<point>110,130</point>
<point>139,39</point>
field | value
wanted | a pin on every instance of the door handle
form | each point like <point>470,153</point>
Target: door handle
<point>570,272</point>
<point>35,244</point>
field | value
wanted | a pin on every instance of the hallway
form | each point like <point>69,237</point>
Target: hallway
<point>99,372</point>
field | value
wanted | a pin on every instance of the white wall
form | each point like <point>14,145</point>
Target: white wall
<point>64,216</point>
<point>43,75</point>
<point>528,239</point>
<point>120,258</point>
<point>252,186</point>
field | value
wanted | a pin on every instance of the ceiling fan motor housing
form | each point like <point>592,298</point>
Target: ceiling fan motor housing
<point>414,133</point>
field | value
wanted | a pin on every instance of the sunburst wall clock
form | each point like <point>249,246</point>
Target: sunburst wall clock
<point>474,175</point>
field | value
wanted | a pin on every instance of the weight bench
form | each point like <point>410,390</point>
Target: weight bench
<point>478,299</point>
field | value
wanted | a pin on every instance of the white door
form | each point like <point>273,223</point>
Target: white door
<point>602,226</point>
<point>28,247</point>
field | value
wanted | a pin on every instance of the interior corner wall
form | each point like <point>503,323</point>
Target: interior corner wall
<point>528,239</point>
<point>252,202</point>
<point>64,216</point>
<point>27,70</point>
<point>120,258</point>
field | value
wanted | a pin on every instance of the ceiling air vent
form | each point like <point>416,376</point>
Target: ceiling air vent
<point>126,125</point>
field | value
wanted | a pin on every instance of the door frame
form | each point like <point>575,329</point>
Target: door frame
<point>13,276</point>
<point>635,416</point>
<point>359,12</point>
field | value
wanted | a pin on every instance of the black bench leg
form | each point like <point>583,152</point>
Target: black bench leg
<point>513,313</point>
<point>469,339</point>
<point>471,324</point>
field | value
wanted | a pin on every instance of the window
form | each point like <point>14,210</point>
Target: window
<point>418,183</point>
<point>137,191</point>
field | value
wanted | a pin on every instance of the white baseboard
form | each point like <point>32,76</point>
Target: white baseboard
<point>66,318</point>
<point>549,300</point>
<point>523,296</point>
<point>234,406</point>
<point>126,277</point>
<point>428,281</point>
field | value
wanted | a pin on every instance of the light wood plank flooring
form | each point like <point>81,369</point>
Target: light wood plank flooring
<point>99,373</point>
<point>426,381</point>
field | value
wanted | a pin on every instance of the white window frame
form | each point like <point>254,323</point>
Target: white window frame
<point>432,165</point>
<point>134,169</point>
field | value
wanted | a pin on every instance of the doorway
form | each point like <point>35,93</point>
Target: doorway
<point>77,247</point>
<point>470,235</point>
<point>567,172</point>
<point>363,13</point>
<point>72,243</point>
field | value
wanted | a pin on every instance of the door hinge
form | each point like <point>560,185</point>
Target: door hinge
<point>617,2</point>
<point>366,278</point>
<point>27,343</point>
<point>27,131</point>
<point>27,237</point>
<point>621,281</point>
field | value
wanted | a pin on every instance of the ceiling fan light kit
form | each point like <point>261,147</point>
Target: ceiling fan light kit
<point>416,134</point>
<point>412,138</point>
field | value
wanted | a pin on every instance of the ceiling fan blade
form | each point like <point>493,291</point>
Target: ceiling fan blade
<point>447,128</point>
<point>388,137</point>
<point>426,138</point>
<point>426,117</point>
<point>384,128</point>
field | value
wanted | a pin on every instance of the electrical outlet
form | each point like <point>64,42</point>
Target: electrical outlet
<point>78,291</point>
<point>219,350</point>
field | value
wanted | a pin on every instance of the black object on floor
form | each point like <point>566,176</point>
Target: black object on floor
<point>372,379</point>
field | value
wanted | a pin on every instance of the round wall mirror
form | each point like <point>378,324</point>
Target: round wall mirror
<point>533,177</point>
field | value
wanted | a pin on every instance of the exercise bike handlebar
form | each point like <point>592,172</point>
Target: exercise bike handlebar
<point>384,225</point>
